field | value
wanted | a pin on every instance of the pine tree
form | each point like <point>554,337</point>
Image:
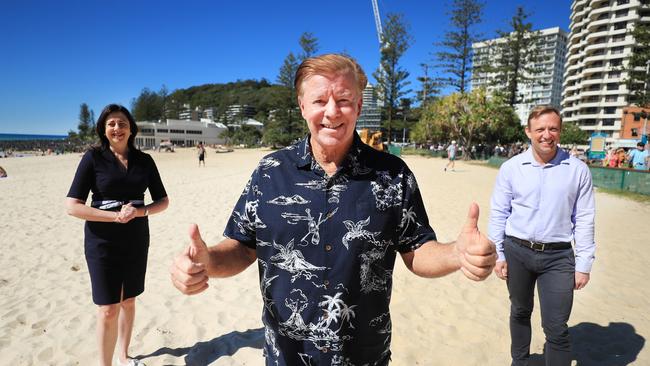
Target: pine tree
<point>516,58</point>
<point>390,77</point>
<point>456,62</point>
<point>309,45</point>
<point>85,123</point>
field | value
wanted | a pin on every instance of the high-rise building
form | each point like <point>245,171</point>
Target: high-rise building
<point>370,117</point>
<point>599,48</point>
<point>544,87</point>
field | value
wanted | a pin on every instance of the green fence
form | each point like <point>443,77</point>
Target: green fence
<point>636,181</point>
<point>395,150</point>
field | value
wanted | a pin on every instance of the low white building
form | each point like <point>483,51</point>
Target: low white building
<point>179,133</point>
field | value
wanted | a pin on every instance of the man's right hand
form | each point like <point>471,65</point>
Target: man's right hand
<point>189,270</point>
<point>501,270</point>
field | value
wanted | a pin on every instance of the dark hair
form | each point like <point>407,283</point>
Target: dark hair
<point>100,127</point>
<point>539,110</point>
<point>640,144</point>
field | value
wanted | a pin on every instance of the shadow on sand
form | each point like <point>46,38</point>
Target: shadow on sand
<point>204,353</point>
<point>617,344</point>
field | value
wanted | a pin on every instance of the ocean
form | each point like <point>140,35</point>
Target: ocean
<point>27,137</point>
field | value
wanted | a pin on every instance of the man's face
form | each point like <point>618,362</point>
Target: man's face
<point>544,134</point>
<point>331,105</point>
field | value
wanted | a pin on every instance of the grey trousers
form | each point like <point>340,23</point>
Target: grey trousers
<point>554,273</point>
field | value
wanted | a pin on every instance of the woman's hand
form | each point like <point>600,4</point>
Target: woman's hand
<point>126,214</point>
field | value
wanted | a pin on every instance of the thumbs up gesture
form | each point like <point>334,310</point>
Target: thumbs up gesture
<point>476,254</point>
<point>189,270</point>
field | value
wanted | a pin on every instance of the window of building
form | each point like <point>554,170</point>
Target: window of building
<point>610,110</point>
<point>635,132</point>
<point>622,2</point>
<point>620,13</point>
<point>616,62</point>
<point>620,25</point>
<point>617,50</point>
<point>612,86</point>
<point>608,122</point>
<point>611,98</point>
<point>163,130</point>
<point>194,132</point>
<point>614,74</point>
<point>177,131</point>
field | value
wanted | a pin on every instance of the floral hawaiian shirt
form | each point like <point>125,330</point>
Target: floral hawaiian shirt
<point>326,247</point>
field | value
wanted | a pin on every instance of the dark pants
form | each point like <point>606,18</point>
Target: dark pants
<point>554,272</point>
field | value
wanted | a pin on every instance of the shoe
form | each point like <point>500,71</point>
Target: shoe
<point>131,362</point>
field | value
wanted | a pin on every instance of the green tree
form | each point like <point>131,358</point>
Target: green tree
<point>390,76</point>
<point>572,134</point>
<point>470,118</point>
<point>285,126</point>
<point>638,69</point>
<point>516,58</point>
<point>309,45</point>
<point>148,106</point>
<point>86,124</point>
<point>455,61</point>
<point>430,87</point>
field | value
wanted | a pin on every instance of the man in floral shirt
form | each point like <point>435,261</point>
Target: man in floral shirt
<point>324,219</point>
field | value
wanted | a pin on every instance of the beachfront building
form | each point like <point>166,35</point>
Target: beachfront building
<point>189,114</point>
<point>634,125</point>
<point>545,87</point>
<point>599,48</point>
<point>370,117</point>
<point>239,112</point>
<point>248,122</point>
<point>179,133</point>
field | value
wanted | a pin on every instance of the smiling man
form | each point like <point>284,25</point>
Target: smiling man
<point>542,201</point>
<point>325,219</point>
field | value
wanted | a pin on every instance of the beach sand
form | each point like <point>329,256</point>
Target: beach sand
<point>47,316</point>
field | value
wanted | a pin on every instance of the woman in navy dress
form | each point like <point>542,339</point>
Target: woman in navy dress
<point>116,239</point>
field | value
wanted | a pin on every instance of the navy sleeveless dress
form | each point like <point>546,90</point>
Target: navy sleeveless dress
<point>116,253</point>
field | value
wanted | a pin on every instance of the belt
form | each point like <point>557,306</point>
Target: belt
<point>110,204</point>
<point>540,247</point>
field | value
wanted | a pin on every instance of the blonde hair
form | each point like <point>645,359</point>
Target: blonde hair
<point>330,64</point>
<point>539,110</point>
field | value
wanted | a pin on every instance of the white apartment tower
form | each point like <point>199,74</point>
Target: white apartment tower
<point>546,87</point>
<point>599,48</point>
<point>370,117</point>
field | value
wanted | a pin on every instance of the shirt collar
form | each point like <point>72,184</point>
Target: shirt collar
<point>561,157</point>
<point>353,160</point>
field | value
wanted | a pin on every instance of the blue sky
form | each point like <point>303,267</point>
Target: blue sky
<point>55,55</point>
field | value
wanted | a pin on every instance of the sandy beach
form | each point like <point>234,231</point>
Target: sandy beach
<point>47,316</point>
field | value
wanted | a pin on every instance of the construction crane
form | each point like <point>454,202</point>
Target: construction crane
<point>375,9</point>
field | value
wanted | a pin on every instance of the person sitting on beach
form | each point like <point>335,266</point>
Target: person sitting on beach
<point>325,219</point>
<point>3,173</point>
<point>116,238</point>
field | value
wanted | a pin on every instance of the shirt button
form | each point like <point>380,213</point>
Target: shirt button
<point>325,350</point>
<point>326,283</point>
<point>328,247</point>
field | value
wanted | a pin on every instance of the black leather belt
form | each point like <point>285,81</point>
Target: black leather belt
<point>540,247</point>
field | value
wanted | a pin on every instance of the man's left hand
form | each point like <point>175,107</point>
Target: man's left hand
<point>581,280</point>
<point>477,255</point>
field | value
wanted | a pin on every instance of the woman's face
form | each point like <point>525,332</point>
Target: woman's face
<point>118,129</point>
